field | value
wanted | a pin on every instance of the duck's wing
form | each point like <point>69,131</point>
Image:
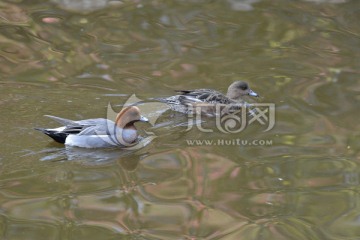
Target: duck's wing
<point>203,95</point>
<point>197,92</point>
<point>76,127</point>
<point>100,126</point>
<point>70,127</point>
<point>71,123</point>
<point>93,122</point>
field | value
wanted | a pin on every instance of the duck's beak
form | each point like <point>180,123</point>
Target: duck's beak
<point>143,119</point>
<point>252,93</point>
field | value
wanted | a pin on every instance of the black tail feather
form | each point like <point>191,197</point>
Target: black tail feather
<point>59,137</point>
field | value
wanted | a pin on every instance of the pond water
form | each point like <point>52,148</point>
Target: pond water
<point>299,180</point>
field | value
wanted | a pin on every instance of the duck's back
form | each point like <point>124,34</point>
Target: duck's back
<point>202,95</point>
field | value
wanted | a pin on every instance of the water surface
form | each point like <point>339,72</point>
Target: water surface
<point>72,59</point>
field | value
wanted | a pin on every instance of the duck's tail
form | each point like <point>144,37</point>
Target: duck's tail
<point>56,135</point>
<point>63,121</point>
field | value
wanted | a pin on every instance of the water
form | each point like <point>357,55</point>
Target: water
<point>71,58</point>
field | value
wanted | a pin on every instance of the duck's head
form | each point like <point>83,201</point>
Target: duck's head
<point>125,120</point>
<point>128,116</point>
<point>239,89</point>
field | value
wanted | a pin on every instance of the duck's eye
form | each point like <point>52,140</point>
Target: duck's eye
<point>243,87</point>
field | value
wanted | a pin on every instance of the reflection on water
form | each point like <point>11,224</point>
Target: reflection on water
<point>183,192</point>
<point>72,58</point>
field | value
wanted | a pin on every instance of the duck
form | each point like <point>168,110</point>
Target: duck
<point>98,132</point>
<point>189,101</point>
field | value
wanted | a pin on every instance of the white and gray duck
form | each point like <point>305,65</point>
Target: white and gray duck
<point>98,132</point>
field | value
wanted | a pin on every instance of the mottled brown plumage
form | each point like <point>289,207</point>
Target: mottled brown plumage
<point>187,100</point>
